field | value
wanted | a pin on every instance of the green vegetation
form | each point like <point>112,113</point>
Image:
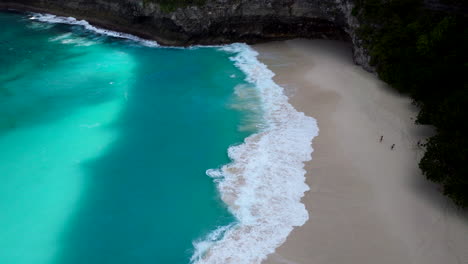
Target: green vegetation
<point>424,53</point>
<point>172,5</point>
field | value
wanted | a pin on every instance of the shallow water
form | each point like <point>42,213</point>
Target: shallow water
<point>105,144</point>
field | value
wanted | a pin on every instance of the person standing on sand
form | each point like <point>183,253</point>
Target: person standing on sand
<point>393,146</point>
<point>381,138</point>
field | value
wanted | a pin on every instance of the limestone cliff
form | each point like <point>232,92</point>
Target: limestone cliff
<point>215,21</point>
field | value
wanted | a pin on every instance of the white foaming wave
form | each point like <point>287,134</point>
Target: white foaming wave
<point>53,19</point>
<point>203,245</point>
<point>73,21</point>
<point>265,182</point>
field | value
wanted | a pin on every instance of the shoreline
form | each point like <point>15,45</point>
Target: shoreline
<point>168,33</point>
<point>265,181</point>
<point>368,203</point>
<point>99,23</point>
<point>267,206</point>
<point>379,216</point>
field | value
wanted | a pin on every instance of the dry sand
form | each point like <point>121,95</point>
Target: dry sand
<point>368,203</point>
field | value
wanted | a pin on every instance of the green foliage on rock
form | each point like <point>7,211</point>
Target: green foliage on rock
<point>423,53</point>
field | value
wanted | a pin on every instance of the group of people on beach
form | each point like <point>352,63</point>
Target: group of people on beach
<point>392,147</point>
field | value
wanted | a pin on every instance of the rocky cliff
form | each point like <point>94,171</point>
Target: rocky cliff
<point>214,21</point>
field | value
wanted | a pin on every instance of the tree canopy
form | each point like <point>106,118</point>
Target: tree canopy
<point>423,53</point>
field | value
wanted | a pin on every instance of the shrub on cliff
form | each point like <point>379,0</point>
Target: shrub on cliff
<point>423,53</point>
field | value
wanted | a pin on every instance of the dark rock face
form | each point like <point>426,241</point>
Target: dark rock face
<point>215,22</point>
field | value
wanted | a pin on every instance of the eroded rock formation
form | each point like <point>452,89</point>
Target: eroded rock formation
<point>215,21</point>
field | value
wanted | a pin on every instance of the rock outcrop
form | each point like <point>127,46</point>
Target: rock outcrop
<point>214,22</point>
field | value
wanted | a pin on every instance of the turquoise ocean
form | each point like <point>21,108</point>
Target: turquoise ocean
<point>106,140</point>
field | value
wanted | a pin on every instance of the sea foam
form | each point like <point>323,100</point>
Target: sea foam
<point>73,21</point>
<point>264,183</point>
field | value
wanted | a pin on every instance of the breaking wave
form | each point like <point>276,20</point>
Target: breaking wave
<point>73,21</point>
<point>264,183</point>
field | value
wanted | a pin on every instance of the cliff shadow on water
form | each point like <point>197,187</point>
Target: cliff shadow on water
<point>207,22</point>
